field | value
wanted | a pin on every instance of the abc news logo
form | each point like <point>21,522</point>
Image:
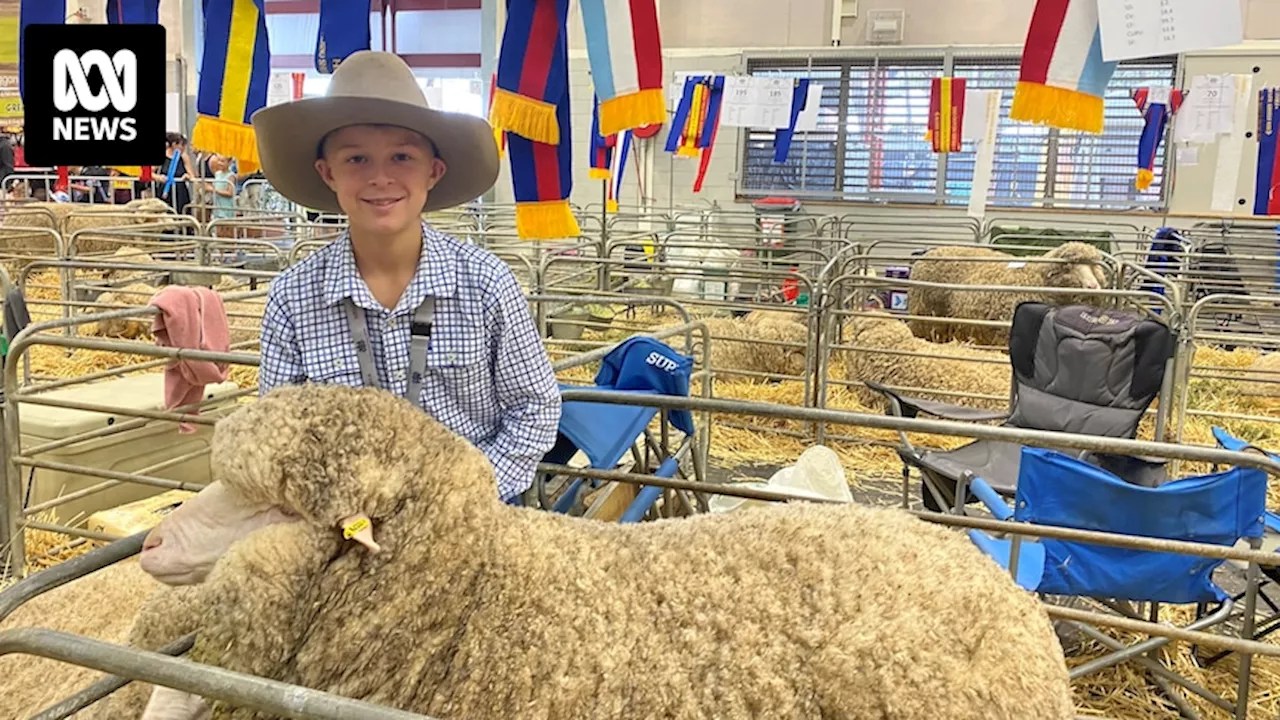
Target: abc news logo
<point>94,94</point>
<point>71,91</point>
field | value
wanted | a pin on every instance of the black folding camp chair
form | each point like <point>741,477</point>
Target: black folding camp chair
<point>1076,369</point>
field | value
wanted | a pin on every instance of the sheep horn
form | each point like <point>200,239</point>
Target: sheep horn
<point>359,527</point>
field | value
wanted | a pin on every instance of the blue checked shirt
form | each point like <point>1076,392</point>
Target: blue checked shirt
<point>489,377</point>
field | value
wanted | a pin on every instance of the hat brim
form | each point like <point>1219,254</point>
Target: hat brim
<point>289,135</point>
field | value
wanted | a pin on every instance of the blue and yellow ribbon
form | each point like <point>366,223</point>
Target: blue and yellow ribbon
<point>344,29</point>
<point>233,79</point>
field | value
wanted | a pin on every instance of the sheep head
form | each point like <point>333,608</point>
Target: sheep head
<point>882,325</point>
<point>1083,268</point>
<point>338,460</point>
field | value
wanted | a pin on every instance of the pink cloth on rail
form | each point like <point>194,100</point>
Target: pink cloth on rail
<point>195,319</point>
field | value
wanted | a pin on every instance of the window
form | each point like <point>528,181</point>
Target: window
<point>870,143</point>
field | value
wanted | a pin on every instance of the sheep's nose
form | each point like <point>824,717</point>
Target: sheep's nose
<point>153,540</point>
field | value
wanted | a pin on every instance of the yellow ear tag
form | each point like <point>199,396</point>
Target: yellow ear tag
<point>360,528</point>
<point>354,527</point>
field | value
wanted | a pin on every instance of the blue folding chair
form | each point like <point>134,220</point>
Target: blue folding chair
<point>1059,490</point>
<point>606,432</point>
<point>1271,623</point>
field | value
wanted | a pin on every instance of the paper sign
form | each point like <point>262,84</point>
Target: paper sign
<point>279,88</point>
<point>988,116</point>
<point>757,102</point>
<point>172,112</point>
<point>808,120</point>
<point>740,101</point>
<point>1208,110</point>
<point>975,114</point>
<point>1189,155</point>
<point>1134,29</point>
<point>1231,149</point>
<point>775,102</point>
<point>1157,95</point>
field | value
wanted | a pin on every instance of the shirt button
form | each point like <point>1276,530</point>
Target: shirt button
<point>399,374</point>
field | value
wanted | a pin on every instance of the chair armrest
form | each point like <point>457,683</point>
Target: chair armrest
<point>907,406</point>
<point>990,498</point>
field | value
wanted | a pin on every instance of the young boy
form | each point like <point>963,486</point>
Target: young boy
<point>394,303</point>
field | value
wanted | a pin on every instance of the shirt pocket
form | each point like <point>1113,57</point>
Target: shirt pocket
<point>333,369</point>
<point>458,358</point>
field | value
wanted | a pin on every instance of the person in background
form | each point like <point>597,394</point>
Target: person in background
<point>222,187</point>
<point>179,195</point>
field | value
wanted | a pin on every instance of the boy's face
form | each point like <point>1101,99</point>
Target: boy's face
<point>381,175</point>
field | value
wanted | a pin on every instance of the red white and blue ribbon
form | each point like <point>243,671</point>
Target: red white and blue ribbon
<point>624,50</point>
<point>601,147</point>
<point>697,120</point>
<point>1156,116</point>
<point>1266,199</point>
<point>1063,79</point>
<point>619,167</point>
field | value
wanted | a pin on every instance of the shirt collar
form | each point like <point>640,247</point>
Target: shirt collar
<point>436,275</point>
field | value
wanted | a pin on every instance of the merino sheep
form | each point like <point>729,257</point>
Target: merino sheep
<point>452,603</point>
<point>101,605</point>
<point>946,265</point>
<point>133,256</point>
<point>1261,382</point>
<point>747,344</point>
<point>877,332</point>
<point>133,295</point>
<point>136,212</point>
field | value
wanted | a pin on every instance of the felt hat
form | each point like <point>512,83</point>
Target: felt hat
<point>372,88</point>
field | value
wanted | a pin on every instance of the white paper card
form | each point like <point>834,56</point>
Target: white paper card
<point>279,88</point>
<point>1157,95</point>
<point>1231,149</point>
<point>985,162</point>
<point>775,102</point>
<point>808,120</point>
<point>975,114</point>
<point>1189,155</point>
<point>1146,28</point>
<point>172,112</point>
<point>740,101</point>
<point>1208,109</point>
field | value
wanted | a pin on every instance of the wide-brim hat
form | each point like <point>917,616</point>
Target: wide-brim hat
<point>372,88</point>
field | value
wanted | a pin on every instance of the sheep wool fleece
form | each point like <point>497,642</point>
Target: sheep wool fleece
<point>954,266</point>
<point>477,609</point>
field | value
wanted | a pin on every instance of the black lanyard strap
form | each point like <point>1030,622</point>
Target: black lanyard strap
<point>420,340</point>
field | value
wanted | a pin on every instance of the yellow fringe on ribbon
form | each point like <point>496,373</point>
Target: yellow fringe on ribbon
<point>549,220</point>
<point>611,205</point>
<point>598,174</point>
<point>627,112</point>
<point>526,117</point>
<point>498,137</point>
<point>1057,107</point>
<point>235,140</point>
<point>1145,178</point>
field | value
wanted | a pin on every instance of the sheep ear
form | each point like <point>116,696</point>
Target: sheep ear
<point>360,528</point>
